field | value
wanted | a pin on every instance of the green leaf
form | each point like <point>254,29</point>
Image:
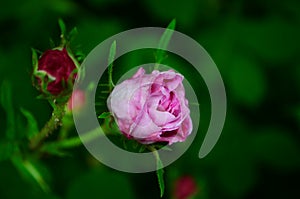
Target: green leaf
<point>111,58</point>
<point>165,39</point>
<point>6,102</point>
<point>164,42</point>
<point>32,128</point>
<point>6,150</point>
<point>104,115</point>
<point>53,149</point>
<point>31,171</point>
<point>112,52</point>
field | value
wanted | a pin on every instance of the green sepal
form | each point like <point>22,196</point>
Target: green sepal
<point>162,146</point>
<point>72,56</point>
<point>72,77</point>
<point>72,34</point>
<point>79,56</point>
<point>40,74</point>
<point>131,144</point>
<point>45,80</point>
<point>35,60</point>
<point>104,115</point>
<point>63,31</point>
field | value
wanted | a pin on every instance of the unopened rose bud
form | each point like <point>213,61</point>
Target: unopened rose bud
<point>76,101</point>
<point>58,71</point>
<point>185,187</point>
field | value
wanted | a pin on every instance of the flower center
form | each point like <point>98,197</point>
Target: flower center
<point>169,103</point>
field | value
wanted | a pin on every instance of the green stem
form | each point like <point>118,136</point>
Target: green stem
<point>68,124</point>
<point>159,171</point>
<point>75,141</point>
<point>54,122</point>
<point>154,151</point>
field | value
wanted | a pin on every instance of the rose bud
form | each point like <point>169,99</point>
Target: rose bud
<point>55,71</point>
<point>152,107</point>
<point>185,187</point>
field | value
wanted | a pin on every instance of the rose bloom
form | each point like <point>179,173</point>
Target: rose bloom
<point>58,65</point>
<point>152,107</point>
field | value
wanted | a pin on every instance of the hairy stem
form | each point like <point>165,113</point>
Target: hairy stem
<point>75,141</point>
<point>54,122</point>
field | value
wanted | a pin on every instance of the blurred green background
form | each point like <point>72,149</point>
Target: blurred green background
<point>256,46</point>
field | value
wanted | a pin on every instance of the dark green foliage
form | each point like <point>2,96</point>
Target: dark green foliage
<point>255,45</point>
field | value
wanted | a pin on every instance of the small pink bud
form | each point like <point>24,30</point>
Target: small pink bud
<point>185,187</point>
<point>76,101</point>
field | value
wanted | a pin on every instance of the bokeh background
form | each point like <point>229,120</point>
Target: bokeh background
<point>256,46</point>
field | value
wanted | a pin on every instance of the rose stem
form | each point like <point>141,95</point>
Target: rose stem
<point>54,122</point>
<point>75,141</point>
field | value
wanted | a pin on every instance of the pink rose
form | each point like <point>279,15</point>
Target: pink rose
<point>58,65</point>
<point>152,107</point>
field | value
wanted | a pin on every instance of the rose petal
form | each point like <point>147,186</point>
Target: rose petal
<point>159,117</point>
<point>143,127</point>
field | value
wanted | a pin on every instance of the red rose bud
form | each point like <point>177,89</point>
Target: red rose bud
<point>185,187</point>
<point>55,71</point>
<point>76,101</point>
